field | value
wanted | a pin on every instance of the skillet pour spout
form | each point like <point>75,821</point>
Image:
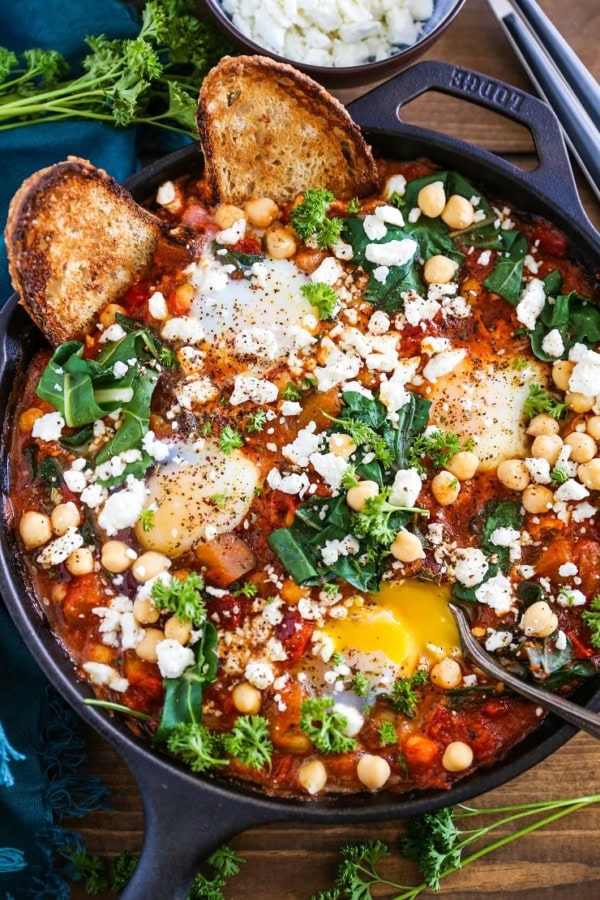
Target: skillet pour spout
<point>187,817</point>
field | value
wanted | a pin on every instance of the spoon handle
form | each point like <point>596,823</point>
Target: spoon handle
<point>577,715</point>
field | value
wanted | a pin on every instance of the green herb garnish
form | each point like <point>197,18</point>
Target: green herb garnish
<point>324,725</point>
<point>249,742</point>
<point>147,519</point>
<point>591,617</point>
<point>310,218</point>
<point>387,734</point>
<point>322,296</point>
<point>230,439</point>
<point>540,401</point>
<point>197,746</point>
<point>182,598</point>
<point>256,421</point>
<point>404,694</point>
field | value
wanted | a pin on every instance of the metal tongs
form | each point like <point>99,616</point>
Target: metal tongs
<point>577,715</point>
<point>559,76</point>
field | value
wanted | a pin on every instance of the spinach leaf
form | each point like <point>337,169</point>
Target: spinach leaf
<point>453,184</point>
<point>496,514</point>
<point>78,439</point>
<point>552,667</point>
<point>506,276</point>
<point>183,695</point>
<point>243,262</point>
<point>136,417</point>
<point>574,316</point>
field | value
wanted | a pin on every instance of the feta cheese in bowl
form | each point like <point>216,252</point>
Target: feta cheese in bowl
<point>342,43</point>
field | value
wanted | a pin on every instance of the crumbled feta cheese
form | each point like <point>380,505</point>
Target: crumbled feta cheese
<point>166,193</point>
<point>553,344</point>
<point>233,234</point>
<point>48,427</point>
<point>561,641</point>
<point>497,640</point>
<point>379,323</point>
<point>330,467</point>
<point>288,484</point>
<point>354,718</point>
<point>304,444</point>
<point>258,390</point>
<point>470,566</point>
<point>58,550</point>
<point>418,309</point>
<point>374,228</point>
<point>571,490</point>
<point>393,253</point>
<point>155,448</point>
<point>332,550</point>
<point>539,469</point>
<point>531,303</point>
<point>442,364</point>
<point>173,658</point>
<point>484,257</point>
<point>114,332</point>
<point>567,569</point>
<point>102,674</point>
<point>496,593</point>
<point>585,377</point>
<point>195,392</point>
<point>94,495</point>
<point>328,272</point>
<point>260,342</point>
<point>157,306</point>
<point>380,274</point>
<point>396,184</point>
<point>183,328</point>
<point>406,488</point>
<point>123,508</point>
<point>392,392</point>
<point>583,511</point>
<point>259,673</point>
<point>339,366</point>
<point>390,214</point>
<point>571,597</point>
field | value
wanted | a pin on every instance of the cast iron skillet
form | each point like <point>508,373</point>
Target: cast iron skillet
<point>186,817</point>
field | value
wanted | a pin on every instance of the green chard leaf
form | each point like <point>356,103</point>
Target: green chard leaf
<point>574,316</point>
<point>507,275</point>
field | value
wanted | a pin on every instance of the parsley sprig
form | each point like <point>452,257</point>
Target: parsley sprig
<point>404,695</point>
<point>323,297</point>
<point>310,218</point>
<point>324,725</point>
<point>182,598</point>
<point>152,78</point>
<point>439,446</point>
<point>540,401</point>
<point>364,436</point>
<point>437,841</point>
<point>249,742</point>
<point>591,617</point>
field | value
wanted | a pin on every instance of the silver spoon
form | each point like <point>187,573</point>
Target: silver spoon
<point>577,715</point>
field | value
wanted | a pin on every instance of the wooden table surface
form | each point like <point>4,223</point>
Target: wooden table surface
<point>291,862</point>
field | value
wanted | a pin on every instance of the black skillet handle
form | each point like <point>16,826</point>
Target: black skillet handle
<point>379,110</point>
<point>183,825</point>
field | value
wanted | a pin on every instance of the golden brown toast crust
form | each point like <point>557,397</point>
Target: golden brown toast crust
<point>75,240</point>
<point>266,129</point>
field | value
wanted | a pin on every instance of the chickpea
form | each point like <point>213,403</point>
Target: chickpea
<point>63,517</point>
<point>592,426</point>
<point>439,269</point>
<point>177,630</point>
<point>446,674</point>
<point>547,446</point>
<point>108,315</point>
<point>280,242</point>
<point>539,620</point>
<point>542,424</point>
<point>513,474</point>
<point>537,498</point>
<point>373,771</point>
<point>561,372</point>
<point>35,529</point>
<point>463,464</point>
<point>28,418</point>
<point>358,496</point>
<point>116,556</point>
<point>146,649</point>
<point>226,214</point>
<point>145,611</point>
<point>589,474</point>
<point>247,699</point>
<point>80,562</point>
<point>583,446</point>
<point>579,403</point>
<point>341,445</point>
<point>150,564</point>
<point>457,757</point>
<point>432,199</point>
<point>445,487</point>
<point>312,776</point>
<point>261,211</point>
<point>407,547</point>
<point>458,213</point>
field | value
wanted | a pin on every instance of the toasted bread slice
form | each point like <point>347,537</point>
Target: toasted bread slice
<point>75,240</point>
<point>266,129</point>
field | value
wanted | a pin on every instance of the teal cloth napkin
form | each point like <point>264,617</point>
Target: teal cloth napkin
<point>39,755</point>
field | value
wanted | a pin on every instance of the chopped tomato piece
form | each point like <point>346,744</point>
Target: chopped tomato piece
<point>226,558</point>
<point>248,245</point>
<point>83,594</point>
<point>420,751</point>
<point>551,241</point>
<point>135,296</point>
<point>294,632</point>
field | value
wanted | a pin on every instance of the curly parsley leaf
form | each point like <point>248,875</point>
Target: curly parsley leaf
<point>591,617</point>
<point>230,439</point>
<point>433,840</point>
<point>323,297</point>
<point>404,695</point>
<point>197,746</point>
<point>324,725</point>
<point>249,742</point>
<point>439,446</point>
<point>540,401</point>
<point>182,598</point>
<point>387,734</point>
<point>507,274</point>
<point>256,421</point>
<point>309,218</point>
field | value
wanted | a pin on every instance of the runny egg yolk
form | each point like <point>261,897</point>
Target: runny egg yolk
<point>403,622</point>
